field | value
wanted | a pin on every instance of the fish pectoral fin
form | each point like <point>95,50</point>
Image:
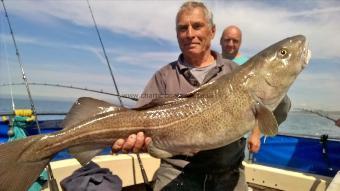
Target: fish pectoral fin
<point>85,153</point>
<point>266,120</point>
<point>86,107</point>
<point>158,153</point>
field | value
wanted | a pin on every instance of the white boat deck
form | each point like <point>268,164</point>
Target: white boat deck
<point>124,165</point>
<point>263,177</point>
<point>280,179</point>
<point>335,184</point>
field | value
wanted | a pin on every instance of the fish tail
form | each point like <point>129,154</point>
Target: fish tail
<point>16,174</point>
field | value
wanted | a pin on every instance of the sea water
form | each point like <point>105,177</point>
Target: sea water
<point>307,123</point>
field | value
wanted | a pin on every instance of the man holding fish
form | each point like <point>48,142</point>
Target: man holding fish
<point>217,169</point>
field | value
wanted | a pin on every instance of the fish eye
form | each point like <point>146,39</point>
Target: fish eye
<point>283,53</point>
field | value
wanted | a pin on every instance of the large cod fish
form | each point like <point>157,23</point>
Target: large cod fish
<point>212,116</point>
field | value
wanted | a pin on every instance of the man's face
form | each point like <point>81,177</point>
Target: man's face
<point>230,42</point>
<point>194,34</point>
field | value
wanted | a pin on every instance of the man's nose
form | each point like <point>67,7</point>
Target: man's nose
<point>230,42</point>
<point>190,32</point>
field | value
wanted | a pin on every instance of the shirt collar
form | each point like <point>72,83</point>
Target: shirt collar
<point>182,66</point>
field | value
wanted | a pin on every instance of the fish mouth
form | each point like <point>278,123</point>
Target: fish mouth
<point>307,53</point>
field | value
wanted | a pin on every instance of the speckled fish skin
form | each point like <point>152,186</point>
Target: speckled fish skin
<point>216,114</point>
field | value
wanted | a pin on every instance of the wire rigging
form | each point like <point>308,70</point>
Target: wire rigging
<point>8,69</point>
<point>20,64</point>
<point>52,181</point>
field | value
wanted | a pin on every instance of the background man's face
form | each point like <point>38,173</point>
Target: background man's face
<point>230,42</point>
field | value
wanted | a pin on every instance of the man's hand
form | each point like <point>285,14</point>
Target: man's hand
<point>254,141</point>
<point>133,143</point>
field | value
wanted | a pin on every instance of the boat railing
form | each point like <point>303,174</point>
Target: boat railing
<point>311,136</point>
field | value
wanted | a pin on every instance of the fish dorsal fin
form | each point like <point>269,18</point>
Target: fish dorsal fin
<point>86,107</point>
<point>85,153</point>
<point>201,89</point>
<point>266,120</point>
<point>160,102</point>
<point>171,100</point>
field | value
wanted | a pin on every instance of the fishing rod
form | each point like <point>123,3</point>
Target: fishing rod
<point>73,87</point>
<point>104,51</point>
<point>319,114</point>
<point>52,181</point>
<point>38,113</point>
<point>145,179</point>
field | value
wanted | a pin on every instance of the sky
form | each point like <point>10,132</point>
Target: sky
<point>58,43</point>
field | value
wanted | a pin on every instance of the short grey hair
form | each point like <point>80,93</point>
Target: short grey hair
<point>194,4</point>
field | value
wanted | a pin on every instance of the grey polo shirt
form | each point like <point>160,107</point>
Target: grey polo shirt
<point>174,79</point>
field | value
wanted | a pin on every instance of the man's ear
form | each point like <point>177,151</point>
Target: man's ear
<point>213,31</point>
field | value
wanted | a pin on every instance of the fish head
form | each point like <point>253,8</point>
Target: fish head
<point>275,68</point>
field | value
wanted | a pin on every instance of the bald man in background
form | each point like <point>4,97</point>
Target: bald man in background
<point>230,43</point>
